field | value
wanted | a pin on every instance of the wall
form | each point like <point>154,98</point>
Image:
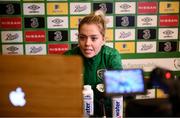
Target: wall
<point>145,32</point>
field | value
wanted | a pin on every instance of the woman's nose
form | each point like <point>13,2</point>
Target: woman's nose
<point>88,41</point>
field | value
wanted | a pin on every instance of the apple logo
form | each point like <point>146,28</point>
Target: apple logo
<point>17,97</point>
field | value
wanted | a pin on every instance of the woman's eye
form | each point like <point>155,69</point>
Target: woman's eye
<point>82,37</point>
<point>94,38</point>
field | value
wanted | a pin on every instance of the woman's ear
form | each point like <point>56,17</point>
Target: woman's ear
<point>103,43</point>
<point>104,40</point>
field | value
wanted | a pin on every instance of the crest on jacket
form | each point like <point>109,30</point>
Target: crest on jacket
<point>100,73</point>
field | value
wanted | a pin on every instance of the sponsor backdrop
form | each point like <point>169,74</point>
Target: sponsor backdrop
<point>145,32</point>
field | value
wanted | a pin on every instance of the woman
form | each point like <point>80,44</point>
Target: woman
<point>97,58</point>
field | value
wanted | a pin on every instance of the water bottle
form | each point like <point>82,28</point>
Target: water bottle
<point>117,108</point>
<point>88,96</point>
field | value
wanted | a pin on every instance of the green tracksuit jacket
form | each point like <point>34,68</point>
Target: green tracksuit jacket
<point>108,58</point>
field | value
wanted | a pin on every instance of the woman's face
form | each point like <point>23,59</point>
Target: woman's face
<point>90,40</point>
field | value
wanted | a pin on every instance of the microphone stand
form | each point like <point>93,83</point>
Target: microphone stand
<point>103,107</point>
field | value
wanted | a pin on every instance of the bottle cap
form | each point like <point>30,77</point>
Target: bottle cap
<point>87,87</point>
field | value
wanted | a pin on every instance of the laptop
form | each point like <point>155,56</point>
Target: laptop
<point>41,86</point>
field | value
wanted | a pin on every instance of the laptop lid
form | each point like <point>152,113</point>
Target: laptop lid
<point>48,85</point>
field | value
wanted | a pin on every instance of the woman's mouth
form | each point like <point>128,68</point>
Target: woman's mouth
<point>88,51</point>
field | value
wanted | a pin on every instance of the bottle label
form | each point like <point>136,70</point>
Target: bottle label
<point>118,107</point>
<point>88,105</point>
<point>88,108</point>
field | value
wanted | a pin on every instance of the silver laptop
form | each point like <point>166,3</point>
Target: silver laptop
<point>41,86</point>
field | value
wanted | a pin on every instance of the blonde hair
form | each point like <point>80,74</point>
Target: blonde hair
<point>98,18</point>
